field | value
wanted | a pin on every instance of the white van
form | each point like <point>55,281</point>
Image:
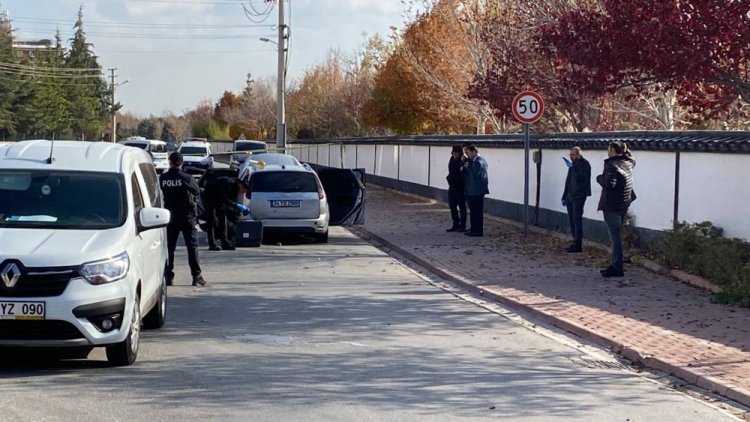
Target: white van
<point>157,150</point>
<point>82,247</point>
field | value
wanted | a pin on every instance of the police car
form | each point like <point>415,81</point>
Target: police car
<point>157,150</point>
<point>290,197</point>
<point>84,247</point>
<point>196,153</point>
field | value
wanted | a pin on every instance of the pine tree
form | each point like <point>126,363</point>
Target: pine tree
<point>88,97</point>
<point>8,78</point>
<point>49,110</point>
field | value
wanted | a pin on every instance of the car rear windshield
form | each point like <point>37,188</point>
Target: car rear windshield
<point>61,199</point>
<point>283,181</point>
<point>193,151</point>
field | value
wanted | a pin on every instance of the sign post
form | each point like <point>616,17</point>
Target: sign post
<point>528,108</point>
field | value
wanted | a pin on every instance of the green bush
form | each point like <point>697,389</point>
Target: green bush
<point>701,249</point>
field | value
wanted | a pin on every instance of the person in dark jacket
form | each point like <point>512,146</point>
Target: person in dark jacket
<point>180,196</point>
<point>617,195</point>
<point>222,211</point>
<point>577,189</point>
<point>456,186</point>
<point>477,186</point>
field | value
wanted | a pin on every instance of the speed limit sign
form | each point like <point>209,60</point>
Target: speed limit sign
<point>528,107</point>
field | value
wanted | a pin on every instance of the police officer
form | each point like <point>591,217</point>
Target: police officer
<point>180,193</point>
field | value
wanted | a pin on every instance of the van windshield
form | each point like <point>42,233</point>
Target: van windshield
<point>193,151</point>
<point>61,199</point>
<point>140,145</point>
<point>250,146</point>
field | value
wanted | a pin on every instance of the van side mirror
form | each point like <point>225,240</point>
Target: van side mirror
<point>153,218</point>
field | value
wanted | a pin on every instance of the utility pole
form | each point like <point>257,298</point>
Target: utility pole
<point>281,82</point>
<point>112,76</point>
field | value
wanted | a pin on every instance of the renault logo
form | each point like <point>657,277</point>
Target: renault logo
<point>10,275</point>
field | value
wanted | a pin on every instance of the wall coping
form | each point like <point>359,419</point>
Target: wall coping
<point>727,142</point>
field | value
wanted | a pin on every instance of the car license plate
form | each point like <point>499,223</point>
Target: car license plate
<point>284,204</point>
<point>23,310</point>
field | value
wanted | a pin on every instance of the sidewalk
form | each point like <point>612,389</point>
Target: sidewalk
<point>648,318</point>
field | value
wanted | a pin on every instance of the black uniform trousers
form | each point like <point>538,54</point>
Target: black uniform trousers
<point>186,226</point>
<point>476,210</point>
<point>221,228</point>
<point>457,204</point>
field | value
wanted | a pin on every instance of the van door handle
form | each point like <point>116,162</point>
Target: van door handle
<point>156,244</point>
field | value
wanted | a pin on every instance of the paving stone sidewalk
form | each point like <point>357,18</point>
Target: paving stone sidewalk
<point>649,318</point>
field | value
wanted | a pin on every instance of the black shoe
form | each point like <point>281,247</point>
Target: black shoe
<point>453,229</point>
<point>611,272</point>
<point>198,281</point>
<point>606,269</point>
<point>214,248</point>
<point>228,247</point>
<point>574,249</point>
<point>474,234</point>
<point>168,280</point>
<point>467,231</point>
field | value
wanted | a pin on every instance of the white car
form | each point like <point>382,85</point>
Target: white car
<point>196,156</point>
<point>289,197</point>
<point>157,150</point>
<point>84,247</point>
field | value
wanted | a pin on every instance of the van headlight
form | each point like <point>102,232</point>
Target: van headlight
<point>106,271</point>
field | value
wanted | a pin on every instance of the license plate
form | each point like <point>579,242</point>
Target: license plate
<point>23,310</point>
<point>285,204</point>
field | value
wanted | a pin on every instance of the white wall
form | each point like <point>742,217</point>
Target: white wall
<point>439,157</point>
<point>714,187</point>
<point>414,163</point>
<point>506,173</point>
<point>387,161</point>
<point>335,156</point>
<point>653,182</point>
<point>350,156</point>
<point>323,154</point>
<point>366,158</point>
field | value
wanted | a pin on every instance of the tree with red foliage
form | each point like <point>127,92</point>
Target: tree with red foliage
<point>700,48</point>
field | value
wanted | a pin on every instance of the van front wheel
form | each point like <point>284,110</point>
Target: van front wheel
<point>125,353</point>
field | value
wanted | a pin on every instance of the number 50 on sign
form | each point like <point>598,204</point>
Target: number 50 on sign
<point>528,107</point>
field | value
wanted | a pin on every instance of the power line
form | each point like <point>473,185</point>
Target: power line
<point>214,2</point>
<point>22,67</point>
<point>145,25</point>
<point>135,35</point>
<point>183,52</point>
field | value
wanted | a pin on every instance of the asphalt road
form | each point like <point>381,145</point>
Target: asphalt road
<point>335,332</point>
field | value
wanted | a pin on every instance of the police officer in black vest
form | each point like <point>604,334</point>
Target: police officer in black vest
<point>180,194</point>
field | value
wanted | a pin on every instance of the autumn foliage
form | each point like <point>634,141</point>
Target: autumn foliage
<point>456,65</point>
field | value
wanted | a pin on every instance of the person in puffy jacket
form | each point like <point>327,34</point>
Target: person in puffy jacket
<point>456,195</point>
<point>617,194</point>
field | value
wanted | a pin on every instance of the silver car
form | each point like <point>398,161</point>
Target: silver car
<point>294,198</point>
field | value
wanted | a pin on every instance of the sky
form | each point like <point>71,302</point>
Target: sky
<point>171,67</point>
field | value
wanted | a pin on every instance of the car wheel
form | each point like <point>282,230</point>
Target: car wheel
<point>321,237</point>
<point>126,352</point>
<point>158,315</point>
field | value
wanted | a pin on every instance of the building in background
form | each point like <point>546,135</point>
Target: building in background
<point>30,50</point>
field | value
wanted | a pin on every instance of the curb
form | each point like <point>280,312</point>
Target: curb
<point>706,382</point>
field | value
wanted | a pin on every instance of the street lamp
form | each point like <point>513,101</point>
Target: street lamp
<point>264,39</point>
<point>114,112</point>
